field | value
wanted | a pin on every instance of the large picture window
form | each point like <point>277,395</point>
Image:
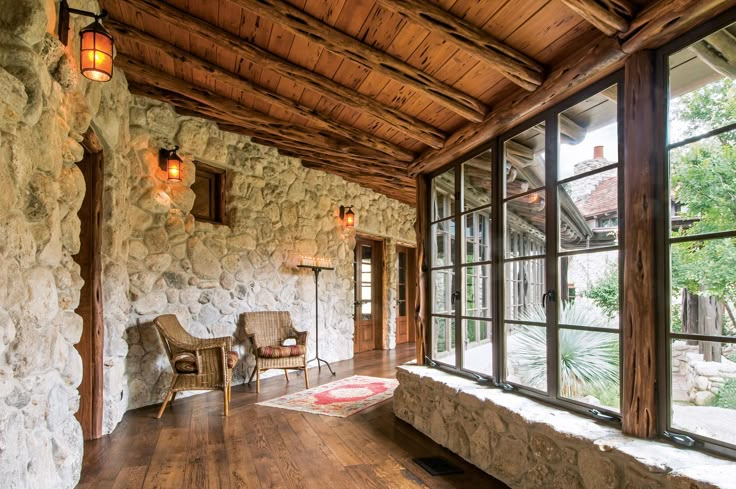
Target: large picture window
<point>701,237</point>
<point>525,266</point>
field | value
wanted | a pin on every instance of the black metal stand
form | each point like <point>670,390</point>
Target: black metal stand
<point>316,271</point>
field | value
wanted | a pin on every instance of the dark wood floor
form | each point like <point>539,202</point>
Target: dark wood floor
<point>194,446</point>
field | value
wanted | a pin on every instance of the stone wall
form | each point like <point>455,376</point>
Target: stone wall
<point>156,257</point>
<point>208,274</point>
<point>45,109</point>
<point>529,445</point>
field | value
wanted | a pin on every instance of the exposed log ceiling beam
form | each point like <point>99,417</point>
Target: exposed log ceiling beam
<point>219,74</point>
<point>321,85</point>
<point>289,17</point>
<point>663,21</point>
<point>236,114</point>
<point>719,52</point>
<point>653,27</point>
<point>611,17</point>
<point>514,65</point>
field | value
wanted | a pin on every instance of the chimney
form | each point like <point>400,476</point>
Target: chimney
<point>598,152</point>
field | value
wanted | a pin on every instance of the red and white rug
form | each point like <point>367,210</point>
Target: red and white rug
<point>341,398</point>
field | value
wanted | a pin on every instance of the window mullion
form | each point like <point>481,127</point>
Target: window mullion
<point>552,218</point>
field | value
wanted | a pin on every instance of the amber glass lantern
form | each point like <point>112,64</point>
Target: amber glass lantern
<point>95,55</point>
<point>348,216</point>
<point>171,163</point>
<point>96,44</point>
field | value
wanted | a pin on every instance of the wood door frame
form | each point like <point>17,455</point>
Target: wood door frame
<point>411,297</point>
<point>91,344</point>
<point>380,326</point>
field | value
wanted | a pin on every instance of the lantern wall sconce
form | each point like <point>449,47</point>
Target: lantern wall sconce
<point>171,163</point>
<point>95,43</point>
<point>347,216</point>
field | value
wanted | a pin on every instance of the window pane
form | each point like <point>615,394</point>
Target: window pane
<point>443,195</point>
<point>588,211</point>
<point>524,157</point>
<point>478,348</point>
<point>704,389</point>
<point>524,284</point>
<point>588,134</point>
<point>702,182</point>
<point>443,236</point>
<point>478,291</point>
<point>703,287</point>
<point>477,236</point>
<point>442,288</point>
<point>365,311</point>
<point>589,289</point>
<point>589,368</point>
<point>701,87</point>
<point>402,308</point>
<point>525,225</point>
<point>526,355</point>
<point>477,186</point>
<point>443,340</point>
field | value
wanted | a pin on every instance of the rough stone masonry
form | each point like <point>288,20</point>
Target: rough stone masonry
<point>156,257</point>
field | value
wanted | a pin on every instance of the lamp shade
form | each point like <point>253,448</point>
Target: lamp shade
<point>95,57</point>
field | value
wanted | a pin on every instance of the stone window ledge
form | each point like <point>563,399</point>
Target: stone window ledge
<point>530,444</point>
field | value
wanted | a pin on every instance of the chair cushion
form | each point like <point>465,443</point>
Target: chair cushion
<point>281,351</point>
<point>232,358</point>
<point>186,362</point>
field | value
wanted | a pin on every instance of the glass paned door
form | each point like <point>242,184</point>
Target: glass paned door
<point>461,259</point>
<point>701,236</point>
<point>524,259</point>
<point>561,255</point>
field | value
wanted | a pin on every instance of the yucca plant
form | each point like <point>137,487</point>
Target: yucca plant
<point>588,360</point>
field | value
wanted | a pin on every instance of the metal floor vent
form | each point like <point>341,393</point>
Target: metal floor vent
<point>437,465</point>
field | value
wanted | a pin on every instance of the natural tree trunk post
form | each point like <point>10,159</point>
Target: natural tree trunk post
<point>421,226</point>
<point>710,321</point>
<point>640,285</point>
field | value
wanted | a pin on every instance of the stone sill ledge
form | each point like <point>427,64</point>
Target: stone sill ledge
<point>474,408</point>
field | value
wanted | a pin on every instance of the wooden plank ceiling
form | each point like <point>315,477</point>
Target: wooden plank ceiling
<point>358,88</point>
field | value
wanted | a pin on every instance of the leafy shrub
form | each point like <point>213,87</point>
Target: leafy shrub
<point>726,397</point>
<point>605,293</point>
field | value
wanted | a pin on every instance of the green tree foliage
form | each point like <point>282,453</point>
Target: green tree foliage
<point>703,180</point>
<point>604,293</point>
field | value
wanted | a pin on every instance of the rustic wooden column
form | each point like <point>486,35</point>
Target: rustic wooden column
<point>641,164</point>
<point>421,227</point>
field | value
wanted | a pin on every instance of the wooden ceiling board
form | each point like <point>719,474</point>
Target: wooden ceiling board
<point>544,30</point>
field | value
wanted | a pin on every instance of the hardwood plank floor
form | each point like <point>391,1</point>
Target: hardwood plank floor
<point>194,446</point>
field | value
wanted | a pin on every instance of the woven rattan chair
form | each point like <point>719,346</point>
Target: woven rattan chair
<point>198,363</point>
<point>267,332</point>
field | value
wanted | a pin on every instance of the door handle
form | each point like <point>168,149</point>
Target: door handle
<point>455,296</point>
<point>548,296</point>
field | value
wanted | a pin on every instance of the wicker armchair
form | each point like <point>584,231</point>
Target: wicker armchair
<point>267,332</point>
<point>198,363</point>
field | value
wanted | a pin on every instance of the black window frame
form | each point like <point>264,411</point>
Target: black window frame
<point>665,239</point>
<point>548,116</point>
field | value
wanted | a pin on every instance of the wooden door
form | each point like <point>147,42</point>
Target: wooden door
<point>89,259</point>
<point>405,295</point>
<point>368,294</point>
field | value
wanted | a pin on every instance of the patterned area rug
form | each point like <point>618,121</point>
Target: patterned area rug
<point>341,398</point>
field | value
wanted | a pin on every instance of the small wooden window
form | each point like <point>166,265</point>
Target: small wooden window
<point>209,191</point>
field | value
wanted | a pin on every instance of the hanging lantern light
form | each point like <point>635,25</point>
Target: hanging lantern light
<point>348,216</point>
<point>171,163</point>
<point>96,44</point>
<point>95,54</point>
